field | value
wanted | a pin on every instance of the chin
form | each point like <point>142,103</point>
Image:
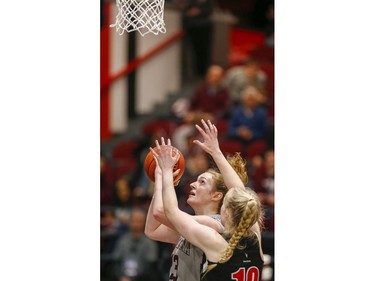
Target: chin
<point>190,201</point>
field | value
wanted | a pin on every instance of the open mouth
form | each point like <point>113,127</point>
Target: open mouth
<point>192,193</point>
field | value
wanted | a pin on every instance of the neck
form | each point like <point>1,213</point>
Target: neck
<point>205,210</point>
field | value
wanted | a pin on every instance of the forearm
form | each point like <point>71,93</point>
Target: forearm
<point>169,198</point>
<point>230,176</point>
<point>151,223</point>
<point>155,209</point>
<point>212,147</point>
<point>157,225</point>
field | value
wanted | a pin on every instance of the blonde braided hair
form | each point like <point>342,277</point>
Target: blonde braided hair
<point>246,210</point>
<point>250,216</point>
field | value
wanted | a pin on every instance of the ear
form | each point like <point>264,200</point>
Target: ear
<point>217,196</point>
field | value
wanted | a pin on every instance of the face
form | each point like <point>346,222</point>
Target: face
<point>269,159</point>
<point>137,222</point>
<point>201,190</point>
<point>123,191</point>
<point>215,75</point>
<point>251,70</point>
<point>251,99</point>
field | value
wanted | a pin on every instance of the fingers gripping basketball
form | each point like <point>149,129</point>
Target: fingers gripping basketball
<point>150,165</point>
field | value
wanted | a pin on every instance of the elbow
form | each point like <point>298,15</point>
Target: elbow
<point>148,233</point>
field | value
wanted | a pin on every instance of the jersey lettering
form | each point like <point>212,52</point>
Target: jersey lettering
<point>173,276</point>
<point>252,274</point>
<point>184,246</point>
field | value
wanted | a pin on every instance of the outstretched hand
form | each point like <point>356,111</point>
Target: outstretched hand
<point>158,173</point>
<point>164,155</point>
<point>209,134</point>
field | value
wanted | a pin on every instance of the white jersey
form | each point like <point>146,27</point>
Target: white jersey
<point>187,260</point>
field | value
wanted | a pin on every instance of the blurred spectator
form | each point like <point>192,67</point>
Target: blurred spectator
<point>122,203</point>
<point>263,177</point>
<point>122,197</point>
<point>108,237</point>
<point>179,109</point>
<point>106,181</point>
<point>135,254</point>
<point>107,226</point>
<point>211,98</point>
<point>249,120</point>
<point>198,29</point>
<point>210,101</point>
<point>237,78</point>
<point>116,216</point>
<point>269,29</point>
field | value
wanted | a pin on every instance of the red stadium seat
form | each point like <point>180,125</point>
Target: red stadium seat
<point>231,147</point>
<point>264,54</point>
<point>255,148</point>
<point>124,150</point>
<point>126,166</point>
<point>241,44</point>
<point>124,157</point>
<point>166,125</point>
<point>222,128</point>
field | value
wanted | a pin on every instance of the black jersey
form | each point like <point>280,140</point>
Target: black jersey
<point>246,264</point>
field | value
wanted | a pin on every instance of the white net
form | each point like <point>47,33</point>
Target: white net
<point>142,15</point>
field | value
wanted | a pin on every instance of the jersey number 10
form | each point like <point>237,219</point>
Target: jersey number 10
<point>252,274</point>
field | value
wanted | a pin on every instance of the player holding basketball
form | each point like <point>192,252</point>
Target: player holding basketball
<point>235,255</point>
<point>205,198</point>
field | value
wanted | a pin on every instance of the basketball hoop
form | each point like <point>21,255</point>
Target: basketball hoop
<point>142,15</point>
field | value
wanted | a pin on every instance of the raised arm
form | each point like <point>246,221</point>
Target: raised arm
<point>157,225</point>
<point>211,146</point>
<point>202,236</point>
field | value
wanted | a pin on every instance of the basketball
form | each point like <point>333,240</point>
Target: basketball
<point>150,165</point>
